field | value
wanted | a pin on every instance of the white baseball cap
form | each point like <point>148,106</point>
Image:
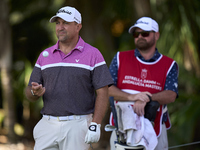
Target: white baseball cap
<point>146,24</point>
<point>68,14</point>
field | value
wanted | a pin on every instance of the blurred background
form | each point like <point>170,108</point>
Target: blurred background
<point>25,31</point>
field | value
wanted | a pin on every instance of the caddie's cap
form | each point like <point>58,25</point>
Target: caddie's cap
<point>146,24</point>
<point>68,14</point>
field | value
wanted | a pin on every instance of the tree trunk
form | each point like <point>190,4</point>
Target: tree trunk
<point>6,69</point>
<point>142,8</point>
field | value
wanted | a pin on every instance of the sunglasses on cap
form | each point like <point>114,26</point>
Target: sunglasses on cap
<point>143,34</point>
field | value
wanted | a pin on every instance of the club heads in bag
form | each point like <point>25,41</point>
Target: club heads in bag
<point>110,128</point>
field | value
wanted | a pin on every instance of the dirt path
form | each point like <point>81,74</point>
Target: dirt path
<point>19,146</point>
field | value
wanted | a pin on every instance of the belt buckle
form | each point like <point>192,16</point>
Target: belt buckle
<point>64,119</point>
<point>77,117</point>
<point>58,118</point>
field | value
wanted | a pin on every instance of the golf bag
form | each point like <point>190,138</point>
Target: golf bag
<point>150,113</point>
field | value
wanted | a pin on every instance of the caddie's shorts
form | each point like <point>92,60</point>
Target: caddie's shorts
<point>61,133</point>
<point>162,139</point>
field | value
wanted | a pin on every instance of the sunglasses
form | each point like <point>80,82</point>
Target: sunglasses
<point>143,34</point>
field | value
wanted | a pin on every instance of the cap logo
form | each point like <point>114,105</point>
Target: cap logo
<point>63,11</point>
<point>142,22</point>
<point>76,19</point>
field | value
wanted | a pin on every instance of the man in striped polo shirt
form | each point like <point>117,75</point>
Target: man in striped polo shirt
<point>72,78</point>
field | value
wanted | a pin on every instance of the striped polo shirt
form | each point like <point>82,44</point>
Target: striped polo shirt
<point>70,80</point>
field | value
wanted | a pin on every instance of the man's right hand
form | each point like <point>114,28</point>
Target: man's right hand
<point>142,96</point>
<point>38,89</point>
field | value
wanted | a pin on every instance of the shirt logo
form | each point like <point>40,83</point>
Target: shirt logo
<point>144,73</point>
<point>77,60</point>
<point>80,47</point>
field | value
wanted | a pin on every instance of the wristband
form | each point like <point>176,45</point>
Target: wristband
<point>32,93</point>
<point>150,99</point>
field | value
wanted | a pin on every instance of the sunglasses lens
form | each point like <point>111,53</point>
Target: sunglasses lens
<point>144,34</point>
<point>136,34</point>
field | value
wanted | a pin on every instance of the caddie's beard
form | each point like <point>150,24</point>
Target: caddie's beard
<point>143,45</point>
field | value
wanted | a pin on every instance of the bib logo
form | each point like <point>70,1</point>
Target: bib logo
<point>144,73</point>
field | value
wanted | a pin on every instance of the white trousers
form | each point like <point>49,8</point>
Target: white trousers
<point>162,140</point>
<point>52,134</point>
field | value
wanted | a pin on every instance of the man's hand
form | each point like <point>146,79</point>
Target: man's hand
<point>140,97</point>
<point>138,107</point>
<point>38,89</point>
<point>93,133</point>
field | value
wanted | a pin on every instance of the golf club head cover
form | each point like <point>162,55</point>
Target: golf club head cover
<point>151,109</point>
<point>93,133</point>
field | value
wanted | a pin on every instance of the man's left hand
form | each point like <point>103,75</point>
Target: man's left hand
<point>93,133</point>
<point>138,107</point>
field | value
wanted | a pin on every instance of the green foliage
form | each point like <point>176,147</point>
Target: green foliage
<point>30,20</point>
<point>179,33</point>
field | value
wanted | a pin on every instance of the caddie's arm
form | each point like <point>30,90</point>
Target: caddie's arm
<point>120,95</point>
<point>164,97</point>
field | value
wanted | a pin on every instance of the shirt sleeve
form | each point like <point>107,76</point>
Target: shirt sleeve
<point>36,75</point>
<point>114,69</point>
<point>100,74</point>
<point>172,79</point>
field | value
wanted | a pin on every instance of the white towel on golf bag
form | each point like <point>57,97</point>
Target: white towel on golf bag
<point>138,130</point>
